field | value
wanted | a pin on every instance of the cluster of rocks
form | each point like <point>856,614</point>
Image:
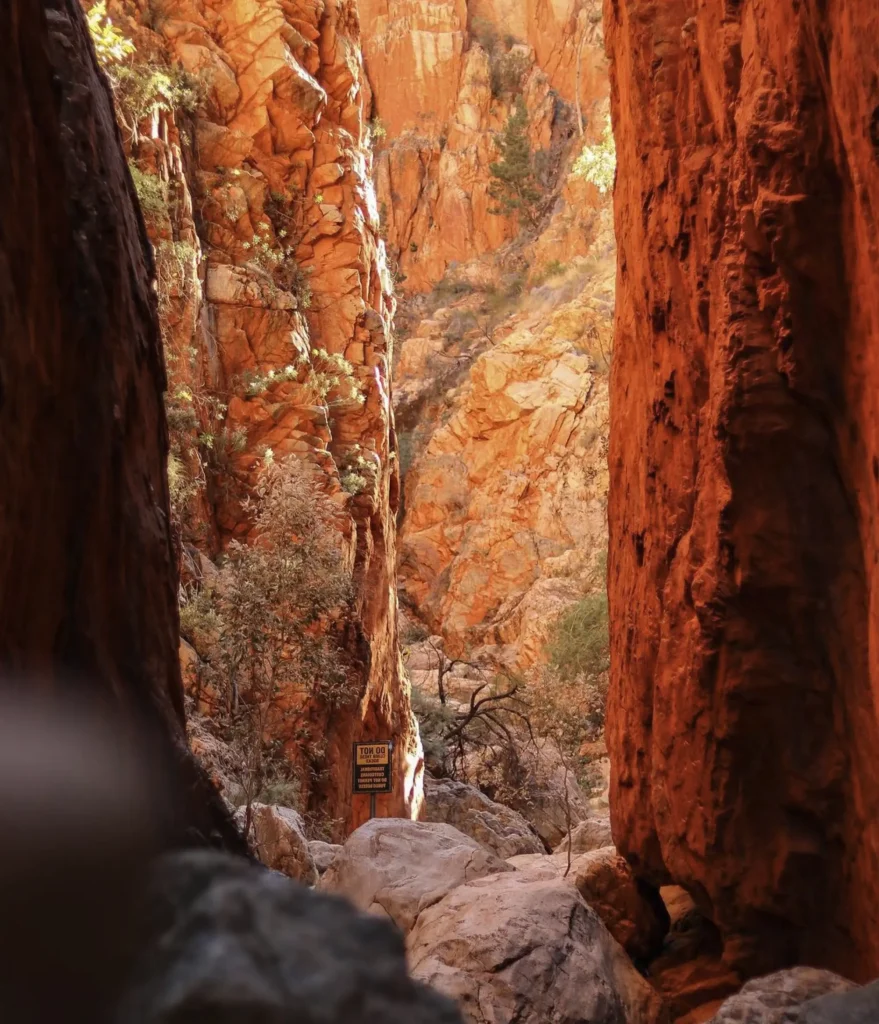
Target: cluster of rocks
<point>489,919</point>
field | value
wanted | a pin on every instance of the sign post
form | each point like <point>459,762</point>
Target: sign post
<point>372,769</point>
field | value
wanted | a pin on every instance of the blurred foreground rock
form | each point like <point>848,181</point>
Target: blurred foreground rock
<point>510,949</point>
<point>781,998</point>
<point>232,942</point>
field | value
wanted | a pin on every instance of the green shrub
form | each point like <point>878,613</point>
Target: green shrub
<point>485,33</point>
<point>267,629</point>
<point>152,192</point>
<point>552,269</point>
<point>111,46</point>
<point>434,722</point>
<point>514,184</point>
<point>580,644</point>
<point>377,132</point>
<point>508,71</point>
<point>144,87</point>
<point>597,164</point>
<point>354,483</point>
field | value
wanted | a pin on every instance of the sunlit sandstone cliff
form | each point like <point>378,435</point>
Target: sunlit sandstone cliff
<point>437,73</point>
<point>501,388</point>
<point>273,159</point>
<point>744,468</point>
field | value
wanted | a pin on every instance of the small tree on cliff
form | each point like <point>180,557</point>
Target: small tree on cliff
<point>514,185</point>
<point>266,627</point>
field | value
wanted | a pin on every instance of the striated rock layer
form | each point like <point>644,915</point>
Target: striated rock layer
<point>274,268</point>
<point>745,468</point>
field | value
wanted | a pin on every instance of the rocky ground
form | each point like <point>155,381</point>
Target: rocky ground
<point>510,931</point>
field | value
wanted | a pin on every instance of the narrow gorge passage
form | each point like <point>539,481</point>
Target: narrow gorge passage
<point>519,504</point>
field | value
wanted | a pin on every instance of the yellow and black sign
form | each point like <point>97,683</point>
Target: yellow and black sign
<point>372,767</point>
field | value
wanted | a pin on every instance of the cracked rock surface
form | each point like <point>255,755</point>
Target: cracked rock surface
<point>510,949</point>
<point>397,868</point>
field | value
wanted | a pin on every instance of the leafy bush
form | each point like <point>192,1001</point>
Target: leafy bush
<point>266,629</point>
<point>152,192</point>
<point>552,269</point>
<point>597,164</point>
<point>377,132</point>
<point>327,374</point>
<point>111,46</point>
<point>569,697</point>
<point>434,722</point>
<point>580,644</point>
<point>140,87</point>
<point>508,71</point>
<point>485,33</point>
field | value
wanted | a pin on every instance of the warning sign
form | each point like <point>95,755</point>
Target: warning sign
<point>372,768</point>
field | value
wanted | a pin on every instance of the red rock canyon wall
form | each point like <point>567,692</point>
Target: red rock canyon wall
<point>275,157</point>
<point>745,467</point>
<point>87,575</point>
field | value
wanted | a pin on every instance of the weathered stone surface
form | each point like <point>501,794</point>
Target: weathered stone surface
<point>689,971</point>
<point>633,914</point>
<point>398,868</point>
<point>87,576</point>
<point>509,948</point>
<point>778,998</point>
<point>433,69</point>
<point>323,854</point>
<point>505,507</point>
<point>231,941</point>
<point>853,1006</point>
<point>275,213</point>
<point>744,469</point>
<point>277,837</point>
<point>591,834</point>
<point>494,826</point>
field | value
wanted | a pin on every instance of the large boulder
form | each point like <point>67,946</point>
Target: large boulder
<point>277,835</point>
<point>398,868</point>
<point>323,854</point>
<point>512,948</point>
<point>230,941</point>
<point>553,802</point>
<point>631,911</point>
<point>855,1006</point>
<point>779,998</point>
<point>498,828</point>
<point>593,833</point>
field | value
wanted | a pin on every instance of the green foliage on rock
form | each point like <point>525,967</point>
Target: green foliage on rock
<point>111,46</point>
<point>598,163</point>
<point>514,185</point>
<point>580,644</point>
<point>152,192</point>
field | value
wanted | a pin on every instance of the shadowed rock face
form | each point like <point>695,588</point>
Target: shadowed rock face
<point>228,941</point>
<point>745,468</point>
<point>87,577</point>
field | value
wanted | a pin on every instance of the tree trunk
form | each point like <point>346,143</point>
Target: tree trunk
<point>87,573</point>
